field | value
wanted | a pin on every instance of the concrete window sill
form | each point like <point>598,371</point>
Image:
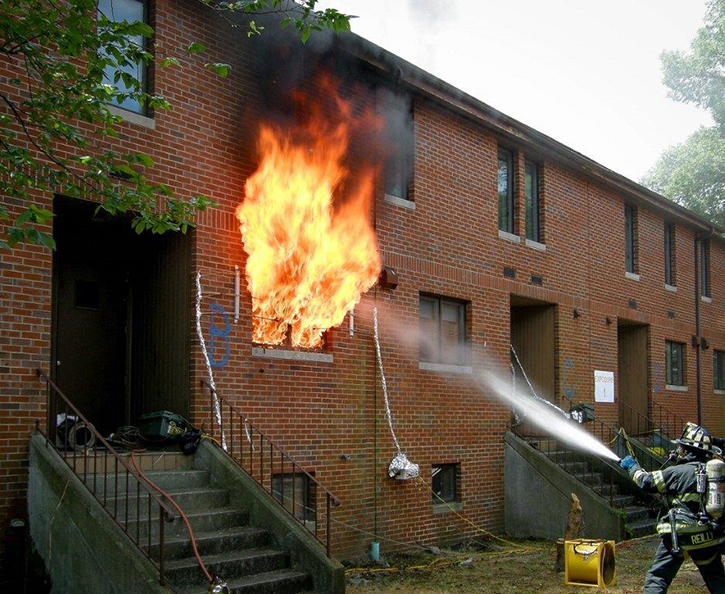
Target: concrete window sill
<point>672,388</point>
<point>509,236</point>
<point>706,299</point>
<point>398,201</point>
<point>445,368</point>
<point>132,118</point>
<point>720,392</point>
<point>446,508</point>
<point>535,245</point>
<point>631,276</point>
<point>292,355</point>
<point>670,288</point>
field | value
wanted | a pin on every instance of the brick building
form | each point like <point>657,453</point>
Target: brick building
<point>497,233</point>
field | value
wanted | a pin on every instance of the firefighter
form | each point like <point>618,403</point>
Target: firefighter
<point>695,534</point>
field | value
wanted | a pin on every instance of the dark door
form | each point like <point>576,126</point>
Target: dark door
<point>90,353</point>
<point>632,368</point>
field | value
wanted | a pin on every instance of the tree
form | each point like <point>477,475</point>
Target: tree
<point>693,173</point>
<point>68,60</point>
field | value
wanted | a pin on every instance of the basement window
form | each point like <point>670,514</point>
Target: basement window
<point>505,190</point>
<point>675,363</point>
<point>630,238</point>
<point>719,369</point>
<point>444,482</point>
<point>443,336</point>
<point>297,494</point>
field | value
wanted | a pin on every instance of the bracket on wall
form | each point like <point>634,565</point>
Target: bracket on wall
<point>388,278</point>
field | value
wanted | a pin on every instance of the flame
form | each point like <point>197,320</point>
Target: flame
<point>305,225</point>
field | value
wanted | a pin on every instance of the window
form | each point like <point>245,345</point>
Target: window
<point>532,201</point>
<point>117,76</point>
<point>670,254</point>
<point>675,363</point>
<point>630,237</point>
<point>399,166</point>
<point>444,481</point>
<point>505,190</point>
<point>705,267</point>
<point>443,331</point>
<point>297,488</point>
<point>719,362</point>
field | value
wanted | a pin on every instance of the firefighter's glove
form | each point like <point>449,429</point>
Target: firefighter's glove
<point>627,462</point>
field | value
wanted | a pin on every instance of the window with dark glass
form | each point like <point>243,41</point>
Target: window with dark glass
<point>296,492</point>
<point>505,190</point>
<point>444,482</point>
<point>719,363</point>
<point>675,363</point>
<point>532,202</point>
<point>670,254</point>
<point>630,237</point>
<point>705,267</point>
<point>443,331</point>
<point>401,139</point>
<point>120,76</point>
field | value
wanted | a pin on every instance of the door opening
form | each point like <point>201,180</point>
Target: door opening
<point>533,339</point>
<point>632,370</point>
<point>121,316</point>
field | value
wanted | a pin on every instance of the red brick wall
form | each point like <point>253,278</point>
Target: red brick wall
<point>448,245</point>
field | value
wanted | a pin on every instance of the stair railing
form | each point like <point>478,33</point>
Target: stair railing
<point>670,423</point>
<point>62,421</point>
<point>270,467</point>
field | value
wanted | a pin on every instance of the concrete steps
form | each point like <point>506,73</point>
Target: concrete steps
<point>238,553</point>
<point>640,520</point>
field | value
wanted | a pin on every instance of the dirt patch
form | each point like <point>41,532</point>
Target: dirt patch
<point>495,572</point>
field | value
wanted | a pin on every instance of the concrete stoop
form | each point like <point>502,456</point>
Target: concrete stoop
<point>611,511</point>
<point>232,549</point>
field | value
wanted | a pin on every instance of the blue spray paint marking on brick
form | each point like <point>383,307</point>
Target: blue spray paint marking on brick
<point>218,334</point>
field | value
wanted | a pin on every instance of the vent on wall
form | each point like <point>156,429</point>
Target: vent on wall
<point>633,303</point>
<point>509,272</point>
<point>537,280</point>
<point>670,314</point>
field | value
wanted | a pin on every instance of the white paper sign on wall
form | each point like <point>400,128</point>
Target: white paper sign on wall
<point>603,386</point>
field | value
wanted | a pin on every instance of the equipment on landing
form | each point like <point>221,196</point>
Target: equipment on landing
<point>589,563</point>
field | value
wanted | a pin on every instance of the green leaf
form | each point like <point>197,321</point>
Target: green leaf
<point>145,159</point>
<point>195,48</point>
<point>166,62</point>
<point>221,69</point>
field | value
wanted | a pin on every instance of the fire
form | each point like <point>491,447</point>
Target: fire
<point>305,225</point>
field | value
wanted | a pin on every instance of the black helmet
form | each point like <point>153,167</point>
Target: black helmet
<point>697,439</point>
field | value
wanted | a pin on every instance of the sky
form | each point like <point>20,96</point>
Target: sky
<point>584,72</point>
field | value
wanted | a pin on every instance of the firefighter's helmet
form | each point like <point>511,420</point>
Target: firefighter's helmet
<point>697,438</point>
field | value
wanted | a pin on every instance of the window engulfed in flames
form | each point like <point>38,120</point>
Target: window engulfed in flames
<point>305,224</point>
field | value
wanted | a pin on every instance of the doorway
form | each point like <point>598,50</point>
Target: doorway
<point>533,339</point>
<point>121,316</point>
<point>632,370</point>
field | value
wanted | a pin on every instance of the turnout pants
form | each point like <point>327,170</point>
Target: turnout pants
<point>665,566</point>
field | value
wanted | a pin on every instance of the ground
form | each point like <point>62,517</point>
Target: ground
<point>496,572</point>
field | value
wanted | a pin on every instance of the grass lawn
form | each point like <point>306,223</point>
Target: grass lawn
<point>506,573</point>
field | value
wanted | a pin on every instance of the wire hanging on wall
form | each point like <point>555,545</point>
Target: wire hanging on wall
<point>202,342</point>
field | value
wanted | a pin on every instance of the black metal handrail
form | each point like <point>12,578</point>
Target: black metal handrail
<point>241,436</point>
<point>135,484</point>
<point>669,423</point>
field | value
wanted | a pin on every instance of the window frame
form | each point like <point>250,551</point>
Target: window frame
<point>670,243</point>
<point>670,379</point>
<point>400,165</point>
<point>452,483</point>
<point>463,350</point>
<point>306,501</point>
<point>533,201</point>
<point>145,78</point>
<point>630,238</point>
<point>718,372</point>
<point>507,155</point>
